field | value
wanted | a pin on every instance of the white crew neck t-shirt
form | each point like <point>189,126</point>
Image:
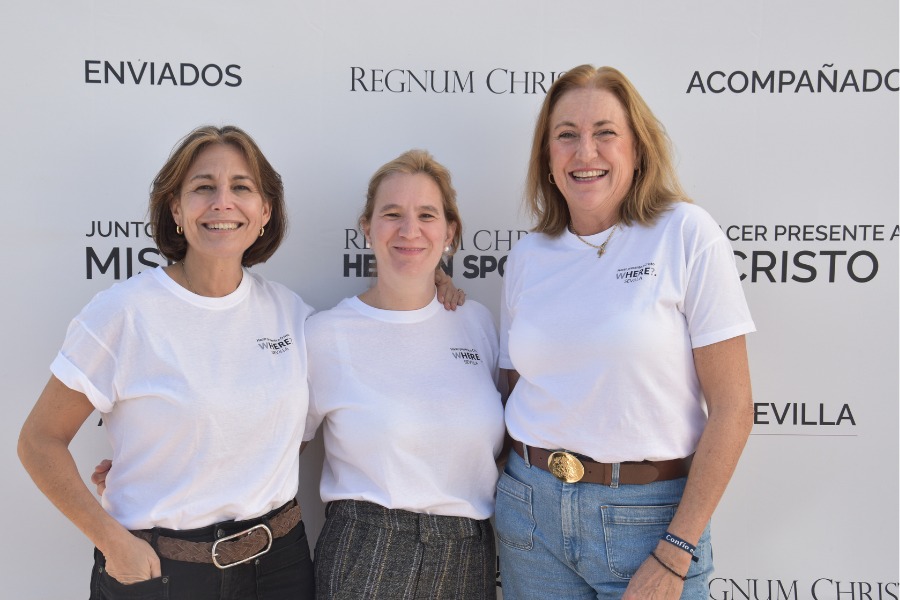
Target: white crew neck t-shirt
<point>203,399</point>
<point>603,346</point>
<point>410,410</point>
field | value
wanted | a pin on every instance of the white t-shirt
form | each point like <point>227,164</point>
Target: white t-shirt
<point>604,345</point>
<point>204,399</point>
<point>412,416</point>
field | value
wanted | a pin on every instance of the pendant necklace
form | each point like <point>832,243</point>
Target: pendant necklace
<point>602,247</point>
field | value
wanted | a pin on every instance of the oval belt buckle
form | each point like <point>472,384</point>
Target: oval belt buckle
<point>565,467</point>
<point>262,526</point>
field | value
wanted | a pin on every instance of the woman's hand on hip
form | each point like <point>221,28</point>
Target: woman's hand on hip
<point>131,560</point>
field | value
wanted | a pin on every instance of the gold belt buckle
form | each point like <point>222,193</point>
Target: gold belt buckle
<point>565,467</point>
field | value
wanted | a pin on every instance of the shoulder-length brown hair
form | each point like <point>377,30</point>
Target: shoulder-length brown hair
<point>412,162</point>
<point>655,186</point>
<point>167,186</point>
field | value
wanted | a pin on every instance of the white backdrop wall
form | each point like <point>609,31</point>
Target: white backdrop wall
<point>784,116</point>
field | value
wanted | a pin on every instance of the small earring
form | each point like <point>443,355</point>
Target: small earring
<point>550,178</point>
<point>262,230</point>
<point>179,230</point>
<point>447,249</point>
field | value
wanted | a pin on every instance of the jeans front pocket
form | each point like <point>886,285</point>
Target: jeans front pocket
<point>514,516</point>
<point>631,533</point>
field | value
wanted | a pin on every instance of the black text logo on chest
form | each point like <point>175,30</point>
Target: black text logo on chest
<point>468,356</point>
<point>276,346</point>
<point>635,274</point>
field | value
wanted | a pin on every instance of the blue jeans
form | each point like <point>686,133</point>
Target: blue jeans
<point>583,540</point>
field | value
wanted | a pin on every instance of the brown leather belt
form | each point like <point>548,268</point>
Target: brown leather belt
<point>230,550</point>
<point>567,467</point>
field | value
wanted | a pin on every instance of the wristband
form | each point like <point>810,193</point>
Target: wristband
<point>677,541</point>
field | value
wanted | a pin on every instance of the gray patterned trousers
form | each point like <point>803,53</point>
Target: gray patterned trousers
<point>369,552</point>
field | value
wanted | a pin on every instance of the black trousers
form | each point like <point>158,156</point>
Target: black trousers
<point>284,573</point>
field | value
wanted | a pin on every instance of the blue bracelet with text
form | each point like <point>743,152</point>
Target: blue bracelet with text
<point>677,541</point>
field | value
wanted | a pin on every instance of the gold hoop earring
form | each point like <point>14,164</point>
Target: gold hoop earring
<point>179,230</point>
<point>550,178</point>
<point>262,230</point>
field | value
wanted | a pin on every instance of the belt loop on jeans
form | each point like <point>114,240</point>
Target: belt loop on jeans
<point>614,478</point>
<point>525,455</point>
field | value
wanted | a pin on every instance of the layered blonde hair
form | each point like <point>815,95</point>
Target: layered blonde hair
<point>655,185</point>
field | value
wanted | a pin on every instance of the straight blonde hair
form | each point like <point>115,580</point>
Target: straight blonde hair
<point>655,186</point>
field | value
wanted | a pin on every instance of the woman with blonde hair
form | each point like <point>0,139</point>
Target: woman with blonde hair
<point>412,421</point>
<point>622,333</point>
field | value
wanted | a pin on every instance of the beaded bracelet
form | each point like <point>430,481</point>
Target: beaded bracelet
<point>677,541</point>
<point>668,568</point>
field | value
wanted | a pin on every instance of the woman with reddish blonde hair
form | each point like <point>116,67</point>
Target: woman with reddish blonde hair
<point>622,334</point>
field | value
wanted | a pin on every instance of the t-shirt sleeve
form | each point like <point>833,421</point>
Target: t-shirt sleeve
<point>86,364</point>
<point>714,304</point>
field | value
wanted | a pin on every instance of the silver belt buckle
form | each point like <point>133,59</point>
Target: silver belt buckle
<point>565,466</point>
<point>262,526</point>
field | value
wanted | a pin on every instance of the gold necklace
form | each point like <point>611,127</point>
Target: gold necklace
<point>602,247</point>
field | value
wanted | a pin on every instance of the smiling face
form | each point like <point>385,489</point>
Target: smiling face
<point>219,205</point>
<point>408,229</point>
<point>592,156</point>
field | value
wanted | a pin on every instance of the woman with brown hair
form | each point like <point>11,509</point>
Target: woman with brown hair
<point>199,371</point>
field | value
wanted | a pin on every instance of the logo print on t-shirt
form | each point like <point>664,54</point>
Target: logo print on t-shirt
<point>469,356</point>
<point>634,274</point>
<point>276,346</point>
